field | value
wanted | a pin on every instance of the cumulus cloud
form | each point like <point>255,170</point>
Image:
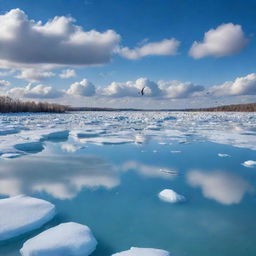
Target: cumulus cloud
<point>4,83</point>
<point>240,86</point>
<point>57,42</point>
<point>225,40</point>
<point>67,73</point>
<point>132,88</point>
<point>161,89</point>
<point>223,187</point>
<point>39,92</point>
<point>176,89</point>
<point>34,75</point>
<point>164,47</point>
<point>82,88</point>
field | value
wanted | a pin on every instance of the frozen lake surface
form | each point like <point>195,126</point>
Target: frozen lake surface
<point>106,170</point>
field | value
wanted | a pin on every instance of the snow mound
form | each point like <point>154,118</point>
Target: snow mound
<point>22,214</point>
<point>135,251</point>
<point>249,163</point>
<point>71,239</point>
<point>170,196</point>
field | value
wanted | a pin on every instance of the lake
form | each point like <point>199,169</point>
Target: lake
<point>106,169</point>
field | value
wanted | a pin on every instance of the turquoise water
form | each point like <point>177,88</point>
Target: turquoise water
<point>114,190</point>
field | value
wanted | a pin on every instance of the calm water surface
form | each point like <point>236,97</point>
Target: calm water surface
<point>113,188</point>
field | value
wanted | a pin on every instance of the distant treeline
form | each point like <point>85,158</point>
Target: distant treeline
<point>9,105</point>
<point>251,107</point>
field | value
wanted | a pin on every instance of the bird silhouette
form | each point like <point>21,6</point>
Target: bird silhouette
<point>142,91</point>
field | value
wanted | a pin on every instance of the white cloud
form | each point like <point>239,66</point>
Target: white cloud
<point>176,89</point>
<point>82,88</point>
<point>4,83</point>
<point>39,92</point>
<point>225,40</point>
<point>240,86</point>
<point>132,89</point>
<point>67,73</point>
<point>223,187</point>
<point>34,75</point>
<point>164,47</point>
<point>161,89</point>
<point>57,42</point>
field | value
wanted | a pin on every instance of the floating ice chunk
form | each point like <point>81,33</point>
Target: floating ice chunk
<point>170,196</point>
<point>135,251</point>
<point>140,139</point>
<point>175,151</point>
<point>223,155</point>
<point>10,155</point>
<point>22,214</point>
<point>65,239</point>
<point>249,163</point>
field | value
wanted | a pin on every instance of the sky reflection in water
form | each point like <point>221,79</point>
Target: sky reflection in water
<point>113,189</point>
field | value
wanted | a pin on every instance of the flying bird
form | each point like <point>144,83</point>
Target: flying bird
<point>142,91</point>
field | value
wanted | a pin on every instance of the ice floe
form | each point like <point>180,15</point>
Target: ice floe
<point>135,251</point>
<point>65,239</point>
<point>249,163</point>
<point>223,155</point>
<point>170,196</point>
<point>21,214</point>
<point>110,128</point>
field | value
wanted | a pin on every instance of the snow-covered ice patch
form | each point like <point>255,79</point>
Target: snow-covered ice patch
<point>135,251</point>
<point>21,214</point>
<point>170,196</point>
<point>223,155</point>
<point>10,155</point>
<point>249,163</point>
<point>71,239</point>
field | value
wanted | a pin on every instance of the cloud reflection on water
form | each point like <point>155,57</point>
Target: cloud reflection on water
<point>64,177</point>
<point>223,187</point>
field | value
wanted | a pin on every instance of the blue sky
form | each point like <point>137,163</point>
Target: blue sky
<point>139,23</point>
